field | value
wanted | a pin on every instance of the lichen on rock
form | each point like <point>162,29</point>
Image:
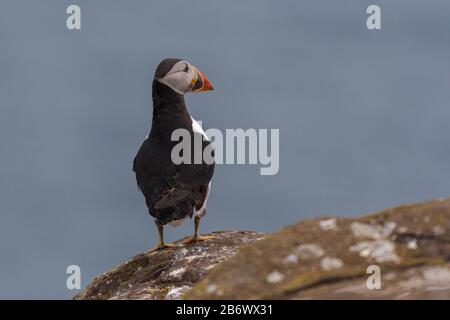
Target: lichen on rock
<point>327,258</point>
<point>322,258</point>
<point>168,273</point>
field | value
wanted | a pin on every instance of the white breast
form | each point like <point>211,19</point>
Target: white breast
<point>197,128</point>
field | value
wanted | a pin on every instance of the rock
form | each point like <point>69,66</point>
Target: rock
<point>322,258</point>
<point>328,258</point>
<point>169,273</point>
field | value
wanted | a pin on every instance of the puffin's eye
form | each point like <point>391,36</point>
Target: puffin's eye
<point>186,68</point>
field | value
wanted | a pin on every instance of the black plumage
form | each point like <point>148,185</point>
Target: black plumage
<point>172,191</point>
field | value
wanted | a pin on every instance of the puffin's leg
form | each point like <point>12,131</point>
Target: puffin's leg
<point>197,237</point>
<point>161,244</point>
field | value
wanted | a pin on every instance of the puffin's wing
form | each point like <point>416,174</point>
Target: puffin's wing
<point>176,196</point>
<point>187,181</point>
<point>192,176</point>
<point>172,197</point>
<point>165,184</point>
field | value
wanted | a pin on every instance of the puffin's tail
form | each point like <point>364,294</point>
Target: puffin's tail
<point>178,212</point>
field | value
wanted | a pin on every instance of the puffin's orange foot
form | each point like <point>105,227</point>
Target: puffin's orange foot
<point>194,239</point>
<point>203,238</point>
<point>161,246</point>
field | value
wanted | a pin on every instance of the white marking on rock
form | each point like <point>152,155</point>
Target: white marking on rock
<point>176,293</point>
<point>329,224</point>
<point>309,251</point>
<point>211,288</point>
<point>403,295</point>
<point>402,229</point>
<point>432,278</point>
<point>441,288</point>
<point>390,276</point>
<point>364,230</point>
<point>412,244</point>
<point>194,257</point>
<point>437,274</point>
<point>177,273</point>
<point>379,250</point>
<point>330,263</point>
<point>275,277</point>
<point>388,228</point>
<point>292,258</point>
<point>182,253</point>
<point>438,230</point>
<point>209,267</point>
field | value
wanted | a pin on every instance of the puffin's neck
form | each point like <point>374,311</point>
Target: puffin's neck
<point>166,98</point>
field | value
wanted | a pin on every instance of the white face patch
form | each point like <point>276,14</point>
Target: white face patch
<point>180,77</point>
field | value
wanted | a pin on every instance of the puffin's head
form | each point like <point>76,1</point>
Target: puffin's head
<point>181,76</point>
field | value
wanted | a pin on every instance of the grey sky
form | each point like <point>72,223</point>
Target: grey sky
<point>363,118</point>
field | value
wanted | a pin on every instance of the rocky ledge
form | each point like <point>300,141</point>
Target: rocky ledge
<point>398,253</point>
<point>168,273</point>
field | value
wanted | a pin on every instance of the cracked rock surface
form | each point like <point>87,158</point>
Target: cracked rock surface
<point>168,273</point>
<point>321,258</point>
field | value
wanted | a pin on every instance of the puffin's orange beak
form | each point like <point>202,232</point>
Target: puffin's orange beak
<point>200,82</point>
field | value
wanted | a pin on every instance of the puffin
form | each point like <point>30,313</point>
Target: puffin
<point>174,191</point>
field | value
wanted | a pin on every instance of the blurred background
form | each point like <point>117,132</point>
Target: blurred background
<point>363,118</point>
